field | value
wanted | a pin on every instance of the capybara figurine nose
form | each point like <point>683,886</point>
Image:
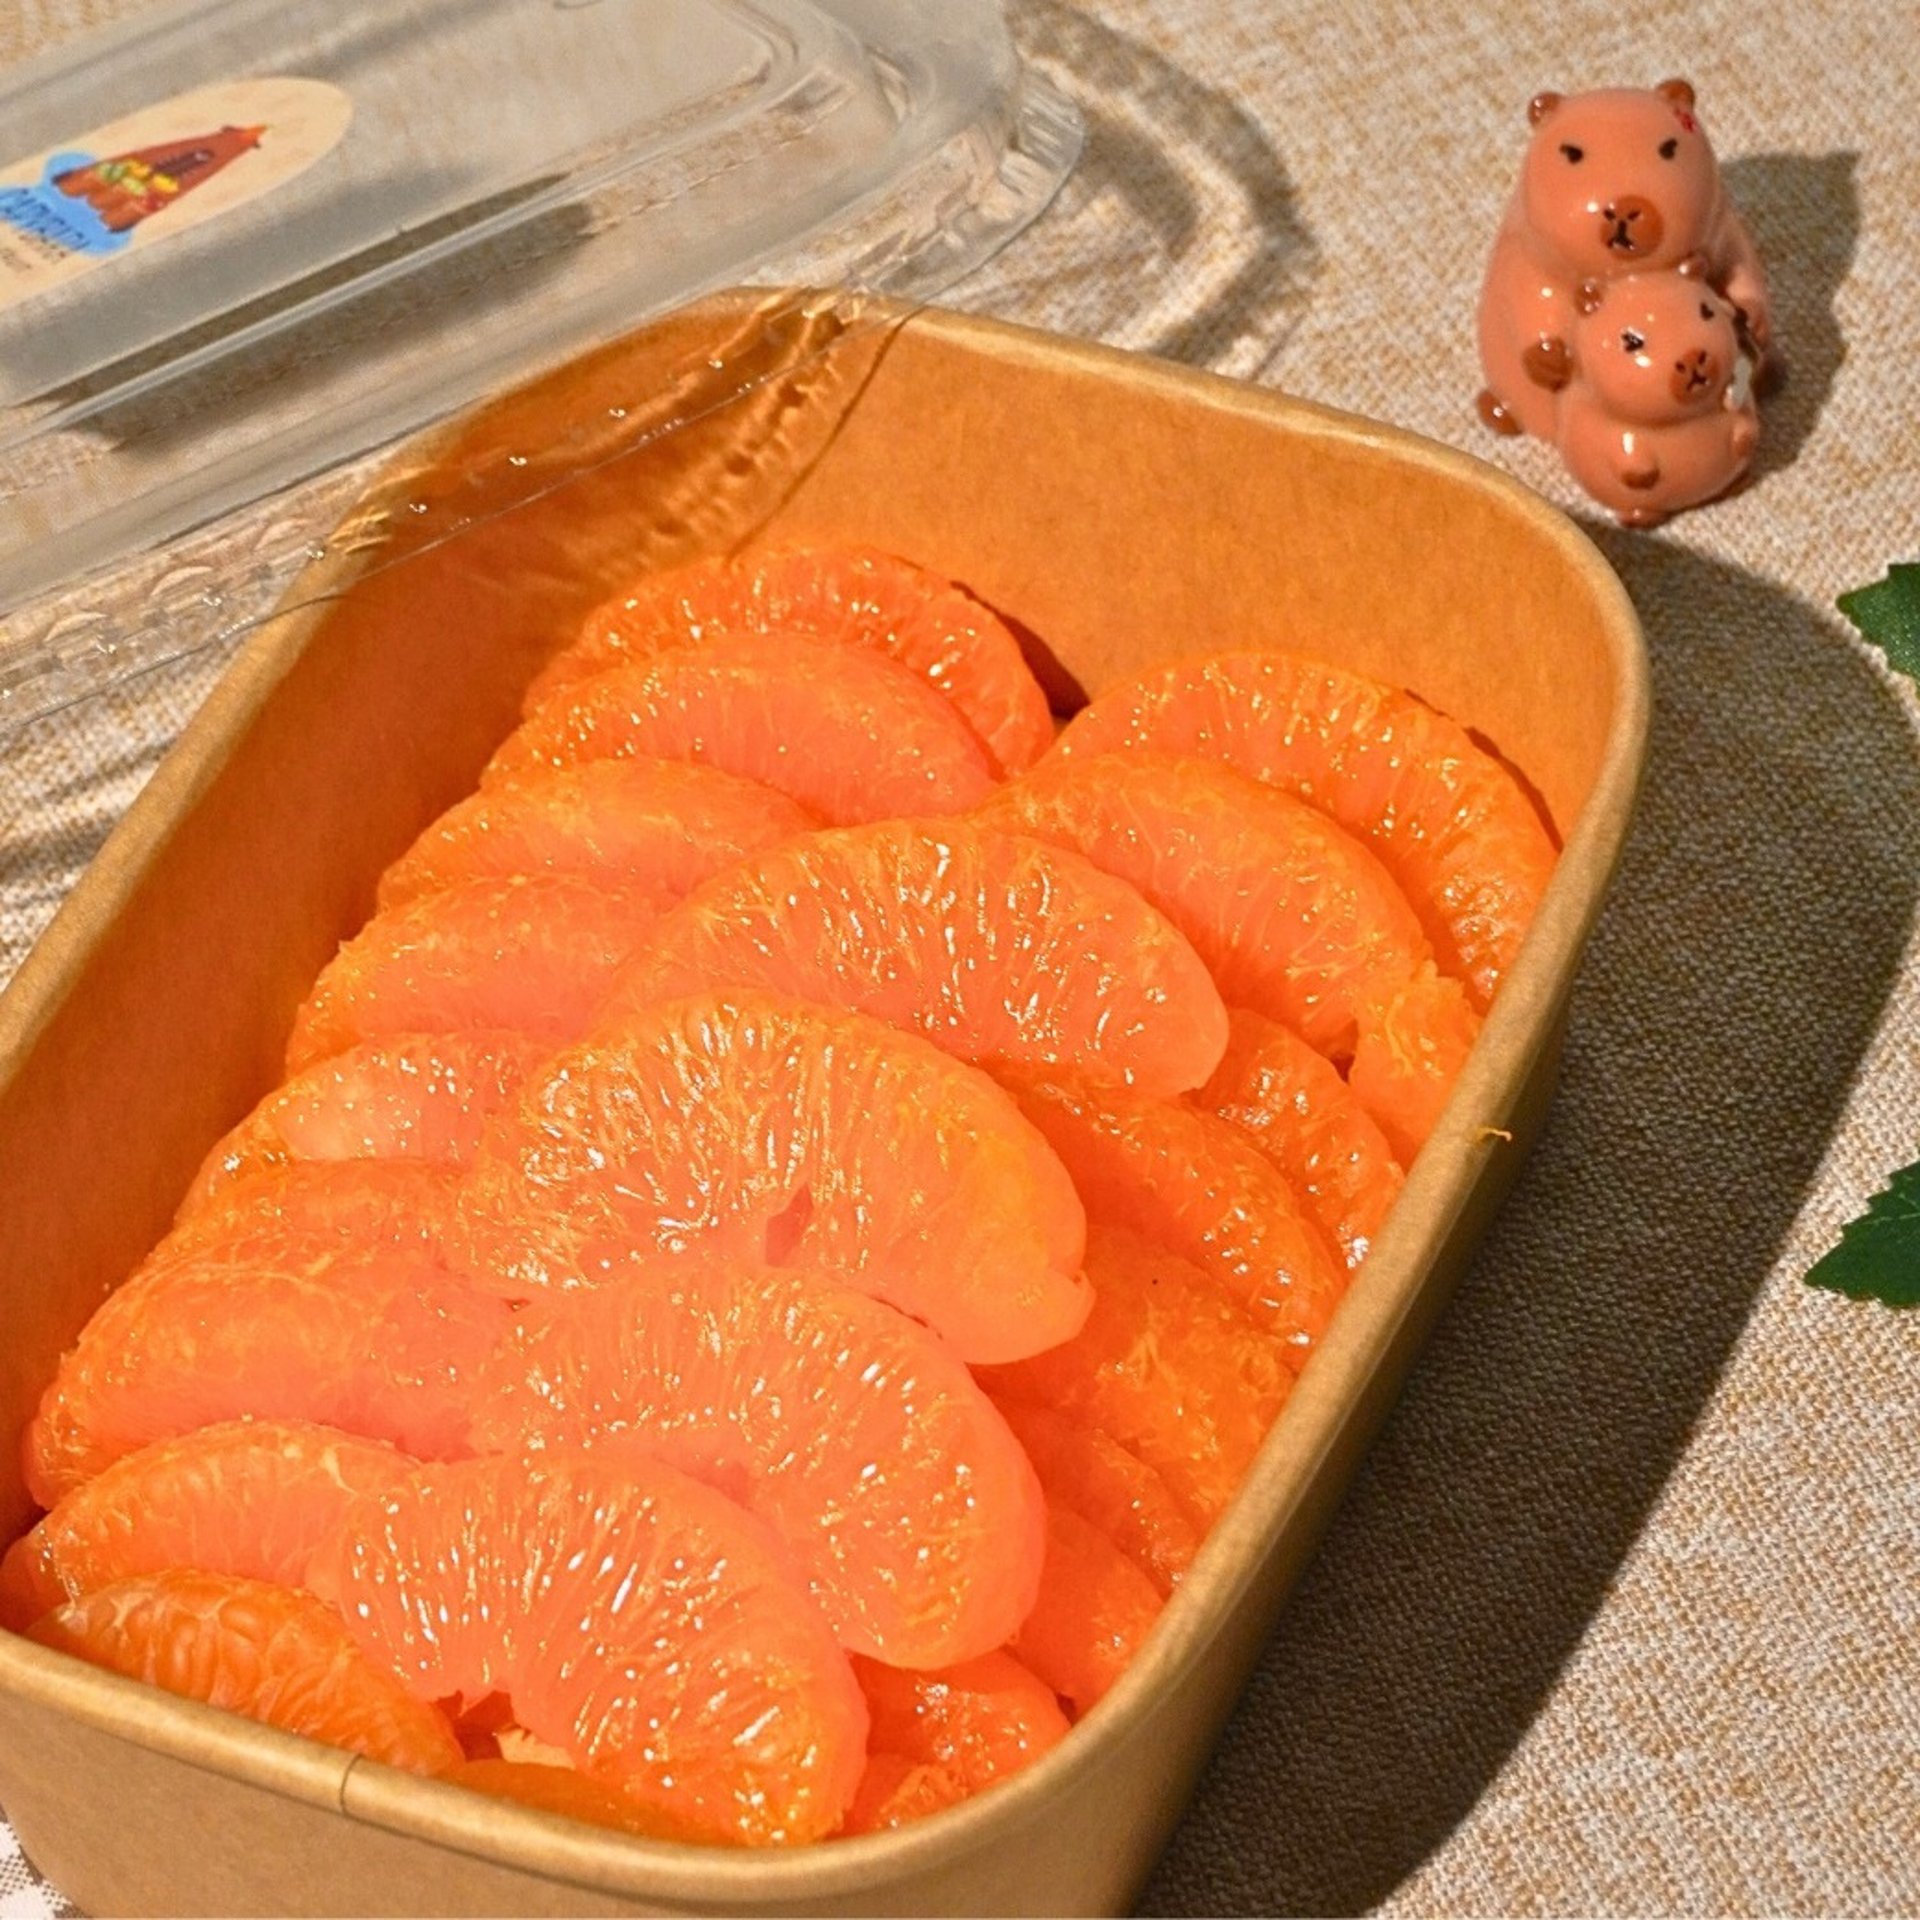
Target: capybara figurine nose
<point>1695,373</point>
<point>1631,227</point>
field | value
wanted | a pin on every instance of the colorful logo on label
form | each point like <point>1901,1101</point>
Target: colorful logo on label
<point>158,172</point>
<point>91,206</point>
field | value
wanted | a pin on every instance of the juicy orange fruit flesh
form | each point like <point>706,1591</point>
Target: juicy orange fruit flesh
<point>533,956</point>
<point>1451,824</point>
<point>1291,1104</point>
<point>849,596</point>
<point>1095,1610</point>
<point>796,715</point>
<point>656,827</point>
<point>381,1344</point>
<point>641,1622</point>
<point>405,1097</point>
<point>1409,1058</point>
<point>1087,1471</point>
<point>749,1127</point>
<point>857,1436</point>
<point>940,1737</point>
<point>1169,1366</point>
<point>1191,1183</point>
<point>1292,915</point>
<point>564,1790</point>
<point>989,944</point>
<point>245,1497</point>
<point>253,1648</point>
<point>402,1206</point>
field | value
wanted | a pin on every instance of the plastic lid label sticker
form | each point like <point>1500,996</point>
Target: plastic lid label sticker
<point>158,172</point>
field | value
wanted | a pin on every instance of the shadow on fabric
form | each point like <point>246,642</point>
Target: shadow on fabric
<point>1733,984</point>
<point>1804,214</point>
<point>1179,233</point>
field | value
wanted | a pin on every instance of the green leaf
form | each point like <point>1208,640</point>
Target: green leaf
<point>1888,613</point>
<point>1878,1257</point>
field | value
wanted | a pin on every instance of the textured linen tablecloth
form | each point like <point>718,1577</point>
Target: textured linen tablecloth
<point>1623,1612</point>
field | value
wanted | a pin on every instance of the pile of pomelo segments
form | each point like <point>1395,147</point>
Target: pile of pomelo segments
<point>788,1225</point>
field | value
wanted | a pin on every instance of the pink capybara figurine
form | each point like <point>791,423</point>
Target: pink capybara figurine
<point>1657,410</point>
<point>1617,181</point>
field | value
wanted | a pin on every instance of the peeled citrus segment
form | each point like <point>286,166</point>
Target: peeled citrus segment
<point>1285,1098</point>
<point>850,1429</point>
<point>657,827</point>
<point>264,1651</point>
<point>846,596</point>
<point>1409,1058</point>
<point>1451,824</point>
<point>895,1791</point>
<point>246,1497</point>
<point>378,1343</point>
<point>764,1130</point>
<point>641,1622</point>
<point>1090,1473</point>
<point>566,1791</point>
<point>1191,1183</point>
<point>1169,1366</point>
<point>1095,1609</point>
<point>1292,915</point>
<point>848,736</point>
<point>396,1205</point>
<point>989,944</point>
<point>945,1735</point>
<point>530,956</point>
<point>420,1096</point>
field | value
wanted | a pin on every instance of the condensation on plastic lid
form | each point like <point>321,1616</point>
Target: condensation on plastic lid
<point>504,184</point>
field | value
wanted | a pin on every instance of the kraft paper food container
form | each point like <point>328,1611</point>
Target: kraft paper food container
<point>1116,510</point>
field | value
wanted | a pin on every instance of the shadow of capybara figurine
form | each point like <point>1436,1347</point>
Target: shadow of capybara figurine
<point>1657,411</point>
<point>1618,181</point>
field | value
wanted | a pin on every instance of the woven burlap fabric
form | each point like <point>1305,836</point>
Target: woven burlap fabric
<point>1623,1613</point>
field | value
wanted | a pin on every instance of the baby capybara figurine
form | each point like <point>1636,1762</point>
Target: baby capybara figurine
<point>1657,412</point>
<point>1621,181</point>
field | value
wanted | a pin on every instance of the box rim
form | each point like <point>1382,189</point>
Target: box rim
<point>1387,1292</point>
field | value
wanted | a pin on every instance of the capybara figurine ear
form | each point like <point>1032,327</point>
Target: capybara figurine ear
<point>1618,182</point>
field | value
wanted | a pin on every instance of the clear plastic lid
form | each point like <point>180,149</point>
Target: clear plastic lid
<point>246,243</point>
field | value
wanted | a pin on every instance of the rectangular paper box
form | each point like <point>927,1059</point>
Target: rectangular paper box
<point>1120,508</point>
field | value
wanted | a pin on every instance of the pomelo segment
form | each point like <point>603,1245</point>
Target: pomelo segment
<point>1090,1473</point>
<point>752,1128</point>
<point>1192,1184</point>
<point>848,736</point>
<point>640,1621</point>
<point>1291,1104</point>
<point>844,596</point>
<point>417,1096</point>
<point>989,944</point>
<point>247,1497</point>
<point>381,1344</point>
<point>1452,825</point>
<point>264,1651</point>
<point>850,1429</point>
<point>1095,1609</point>
<point>1167,1365</point>
<point>531,956</point>
<point>1292,915</point>
<point>655,827</point>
